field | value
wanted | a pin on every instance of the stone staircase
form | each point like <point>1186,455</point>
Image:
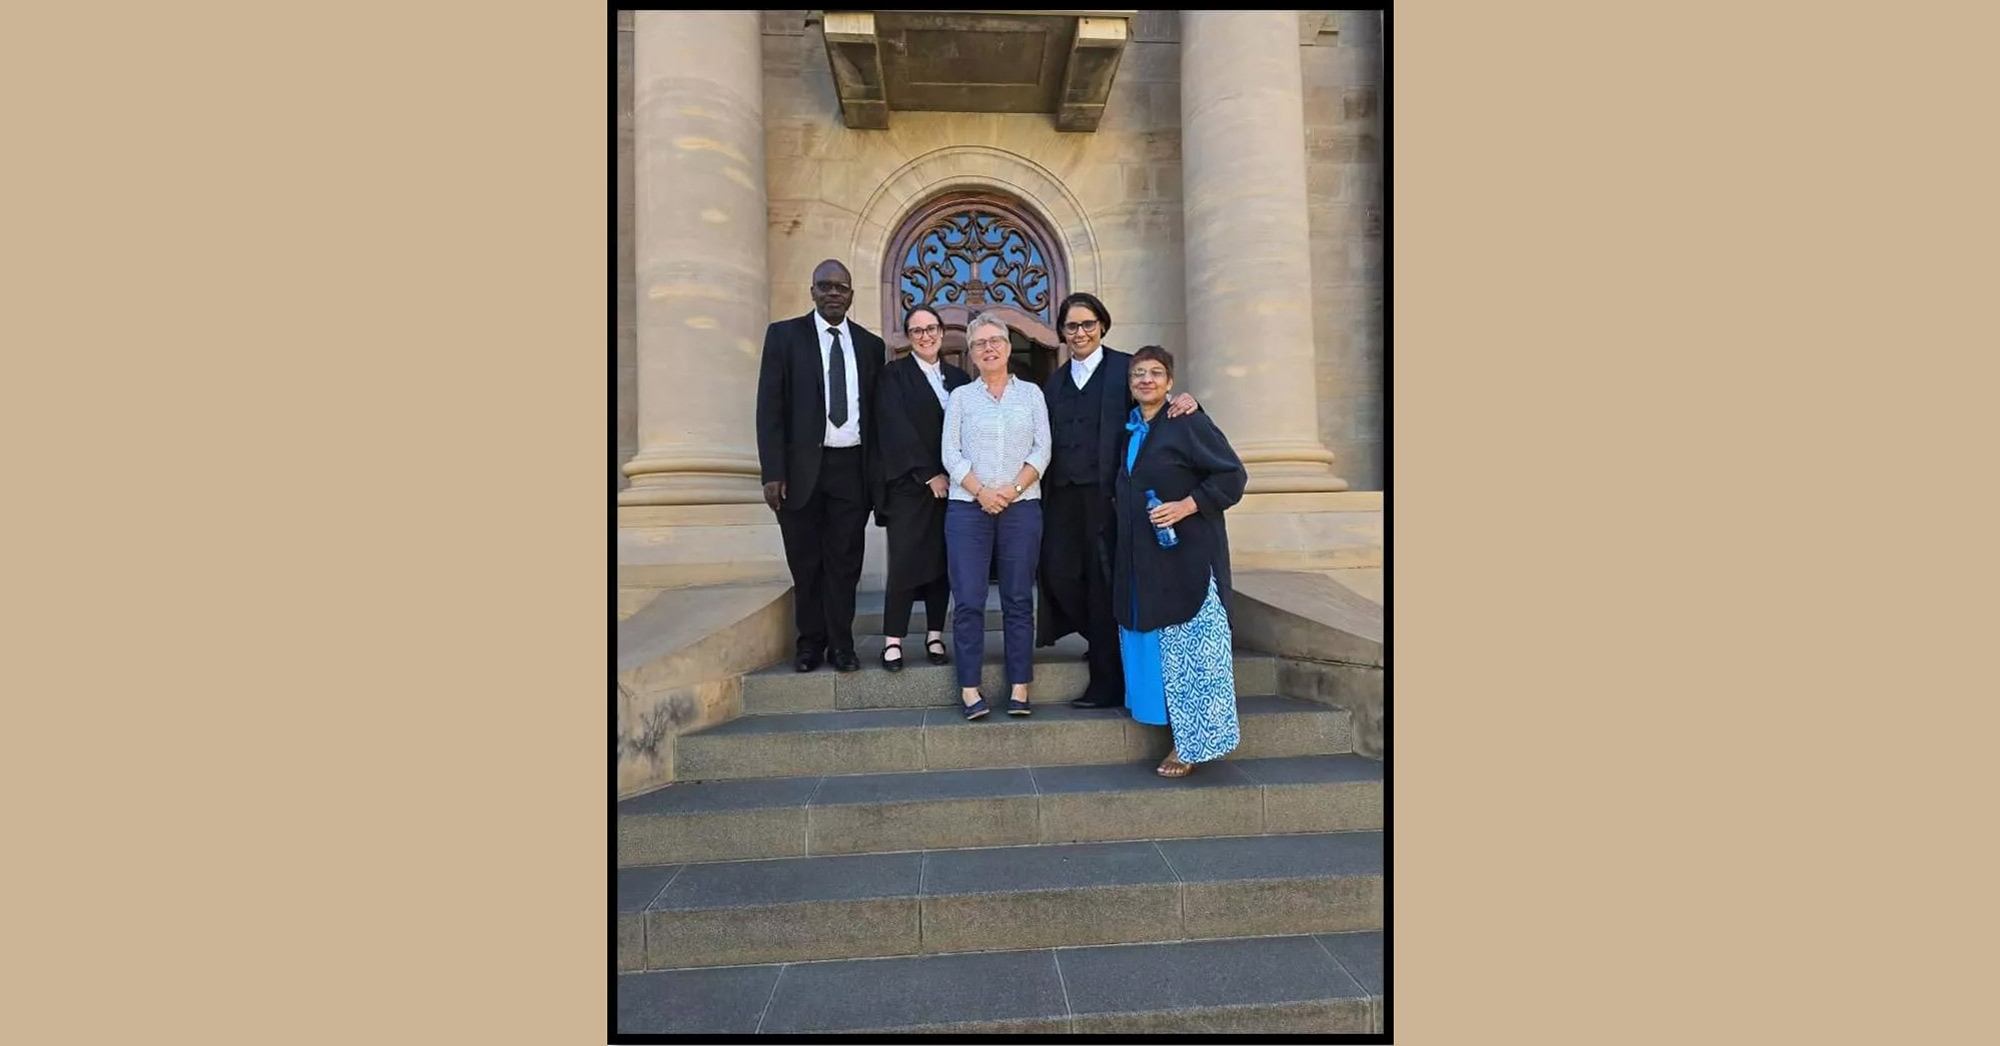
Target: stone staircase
<point>850,855</point>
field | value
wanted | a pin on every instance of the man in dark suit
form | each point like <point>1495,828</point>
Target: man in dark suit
<point>1088,400</point>
<point>815,398</point>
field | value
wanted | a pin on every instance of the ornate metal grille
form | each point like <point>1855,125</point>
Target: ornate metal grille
<point>963,252</point>
<point>976,258</point>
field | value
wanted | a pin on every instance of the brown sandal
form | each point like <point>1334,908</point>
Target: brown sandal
<point>1173,767</point>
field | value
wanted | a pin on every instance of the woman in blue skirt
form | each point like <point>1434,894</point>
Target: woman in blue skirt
<point>1171,599</point>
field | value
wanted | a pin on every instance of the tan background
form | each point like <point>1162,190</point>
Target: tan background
<point>308,410</point>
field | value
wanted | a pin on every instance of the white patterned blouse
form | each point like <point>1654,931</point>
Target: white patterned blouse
<point>993,438</point>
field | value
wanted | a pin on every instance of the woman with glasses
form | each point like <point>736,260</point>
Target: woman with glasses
<point>1170,580</point>
<point>909,425</point>
<point>1088,400</point>
<point>995,448</point>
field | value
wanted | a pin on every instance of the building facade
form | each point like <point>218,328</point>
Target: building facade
<point>1216,178</point>
<point>1105,209</point>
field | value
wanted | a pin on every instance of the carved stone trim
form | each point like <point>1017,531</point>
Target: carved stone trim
<point>1038,192</point>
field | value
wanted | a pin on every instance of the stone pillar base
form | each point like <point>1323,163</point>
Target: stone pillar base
<point>673,479</point>
<point>1306,531</point>
<point>1293,478</point>
<point>1289,467</point>
<point>663,547</point>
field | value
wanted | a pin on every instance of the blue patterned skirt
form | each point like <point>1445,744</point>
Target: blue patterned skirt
<point>1185,676</point>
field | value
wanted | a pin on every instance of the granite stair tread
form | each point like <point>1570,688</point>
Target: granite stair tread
<point>1326,983</point>
<point>941,809</point>
<point>1060,675</point>
<point>997,898</point>
<point>798,744</point>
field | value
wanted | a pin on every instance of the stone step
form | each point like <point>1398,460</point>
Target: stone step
<point>943,809</point>
<point>1060,675</point>
<point>868,613</point>
<point>1006,898</point>
<point>804,744</point>
<point>1318,984</point>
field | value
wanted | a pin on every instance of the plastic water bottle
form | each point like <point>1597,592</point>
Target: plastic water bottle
<point>1166,534</point>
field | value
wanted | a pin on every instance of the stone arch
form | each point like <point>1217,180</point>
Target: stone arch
<point>971,168</point>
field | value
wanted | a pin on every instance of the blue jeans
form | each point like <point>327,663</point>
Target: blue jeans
<point>970,540</point>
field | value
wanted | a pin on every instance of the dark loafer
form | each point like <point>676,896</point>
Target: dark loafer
<point>1018,707</point>
<point>895,665</point>
<point>1087,701</point>
<point>975,710</point>
<point>934,649</point>
<point>845,661</point>
<point>807,661</point>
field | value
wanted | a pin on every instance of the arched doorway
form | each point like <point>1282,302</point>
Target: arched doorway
<point>965,252</point>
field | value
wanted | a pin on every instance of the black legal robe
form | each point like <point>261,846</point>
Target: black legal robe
<point>909,438</point>
<point>1182,457</point>
<point>1105,400</point>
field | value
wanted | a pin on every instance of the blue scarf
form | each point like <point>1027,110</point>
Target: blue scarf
<point>1138,426</point>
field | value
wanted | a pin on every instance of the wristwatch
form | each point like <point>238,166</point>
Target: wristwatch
<point>1019,489</point>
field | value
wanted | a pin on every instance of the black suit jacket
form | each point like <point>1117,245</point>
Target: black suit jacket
<point>909,424</point>
<point>791,402</point>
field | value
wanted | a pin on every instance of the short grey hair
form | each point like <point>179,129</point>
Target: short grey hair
<point>987,319</point>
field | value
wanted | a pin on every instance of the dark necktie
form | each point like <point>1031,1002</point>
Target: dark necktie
<point>836,381</point>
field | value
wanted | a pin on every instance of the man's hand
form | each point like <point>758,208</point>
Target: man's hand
<point>1173,512</point>
<point>774,493</point>
<point>1181,404</point>
<point>939,487</point>
<point>991,501</point>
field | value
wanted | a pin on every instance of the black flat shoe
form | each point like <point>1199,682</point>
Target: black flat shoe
<point>1087,701</point>
<point>807,661</point>
<point>936,656</point>
<point>845,661</point>
<point>895,665</point>
<point>1018,707</point>
<point>974,710</point>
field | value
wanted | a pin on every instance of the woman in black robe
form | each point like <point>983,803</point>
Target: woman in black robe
<point>909,428</point>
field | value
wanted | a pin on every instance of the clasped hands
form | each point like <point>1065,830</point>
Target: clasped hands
<point>992,498</point>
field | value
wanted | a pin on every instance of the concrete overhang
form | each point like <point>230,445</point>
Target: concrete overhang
<point>1056,62</point>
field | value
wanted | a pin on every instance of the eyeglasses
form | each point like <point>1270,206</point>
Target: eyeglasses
<point>832,287</point>
<point>989,343</point>
<point>1087,327</point>
<point>925,332</point>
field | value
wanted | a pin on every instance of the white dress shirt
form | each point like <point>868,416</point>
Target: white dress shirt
<point>848,435</point>
<point>935,372</point>
<point>1080,370</point>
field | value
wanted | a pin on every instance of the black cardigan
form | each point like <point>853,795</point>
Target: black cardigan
<point>1184,456</point>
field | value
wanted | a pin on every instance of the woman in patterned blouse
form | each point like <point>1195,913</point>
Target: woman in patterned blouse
<point>1171,601</point>
<point>995,449</point>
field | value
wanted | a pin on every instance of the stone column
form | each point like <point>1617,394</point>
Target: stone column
<point>700,258</point>
<point>1251,354</point>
